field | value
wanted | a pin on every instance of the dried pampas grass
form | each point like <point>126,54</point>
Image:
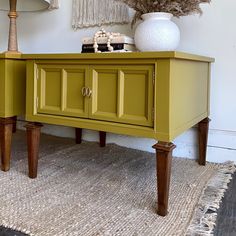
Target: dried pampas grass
<point>176,7</point>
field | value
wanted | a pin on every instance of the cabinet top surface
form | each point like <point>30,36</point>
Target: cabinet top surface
<point>7,55</point>
<point>128,55</point>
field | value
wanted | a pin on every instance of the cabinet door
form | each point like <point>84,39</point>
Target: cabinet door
<point>59,90</point>
<point>122,94</point>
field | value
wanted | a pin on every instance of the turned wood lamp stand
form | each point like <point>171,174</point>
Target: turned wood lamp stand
<point>13,7</point>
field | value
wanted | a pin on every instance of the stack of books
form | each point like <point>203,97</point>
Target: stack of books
<point>120,43</point>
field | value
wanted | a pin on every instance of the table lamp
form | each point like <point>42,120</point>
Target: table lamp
<point>14,6</point>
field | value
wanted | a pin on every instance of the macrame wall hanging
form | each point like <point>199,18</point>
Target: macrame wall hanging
<point>54,4</point>
<point>87,13</point>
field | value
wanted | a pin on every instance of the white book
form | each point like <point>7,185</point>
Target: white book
<point>103,40</point>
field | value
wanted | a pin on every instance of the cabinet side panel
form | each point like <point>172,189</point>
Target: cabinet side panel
<point>19,87</point>
<point>15,76</point>
<point>189,94</point>
<point>2,88</point>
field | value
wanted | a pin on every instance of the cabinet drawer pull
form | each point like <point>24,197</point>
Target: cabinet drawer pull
<point>84,91</point>
<point>88,92</point>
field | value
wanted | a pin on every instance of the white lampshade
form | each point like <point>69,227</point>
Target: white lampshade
<point>26,5</point>
<point>13,6</point>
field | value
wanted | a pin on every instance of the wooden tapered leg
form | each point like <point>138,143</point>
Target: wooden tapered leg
<point>102,136</point>
<point>163,160</point>
<point>33,138</point>
<point>78,135</point>
<point>6,126</point>
<point>203,127</point>
<point>14,124</point>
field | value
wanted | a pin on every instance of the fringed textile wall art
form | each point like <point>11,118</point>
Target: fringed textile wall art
<point>87,13</point>
<point>54,4</point>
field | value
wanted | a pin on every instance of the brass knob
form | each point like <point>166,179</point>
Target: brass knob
<point>88,92</point>
<point>84,91</point>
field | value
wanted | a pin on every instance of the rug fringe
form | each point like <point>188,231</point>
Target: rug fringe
<point>205,215</point>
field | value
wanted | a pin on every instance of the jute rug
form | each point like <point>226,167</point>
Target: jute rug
<point>85,190</point>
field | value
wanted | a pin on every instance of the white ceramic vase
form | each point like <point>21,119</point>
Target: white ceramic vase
<point>157,33</point>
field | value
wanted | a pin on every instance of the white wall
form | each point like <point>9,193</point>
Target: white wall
<point>213,34</point>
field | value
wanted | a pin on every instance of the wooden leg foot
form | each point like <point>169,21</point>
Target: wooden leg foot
<point>203,127</point>
<point>102,136</point>
<point>33,138</point>
<point>6,126</point>
<point>78,135</point>
<point>164,159</point>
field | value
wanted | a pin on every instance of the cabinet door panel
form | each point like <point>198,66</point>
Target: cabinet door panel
<point>74,103</point>
<point>51,88</point>
<point>59,90</point>
<point>104,93</point>
<point>122,94</point>
<point>135,95</point>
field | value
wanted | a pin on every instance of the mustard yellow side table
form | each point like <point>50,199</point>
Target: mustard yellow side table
<point>151,94</point>
<point>12,101</point>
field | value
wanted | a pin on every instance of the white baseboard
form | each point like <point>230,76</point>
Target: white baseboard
<point>221,144</point>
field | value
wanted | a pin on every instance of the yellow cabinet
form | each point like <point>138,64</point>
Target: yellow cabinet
<point>122,94</point>
<point>151,94</point>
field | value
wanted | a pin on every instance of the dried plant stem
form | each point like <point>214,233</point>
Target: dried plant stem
<point>176,7</point>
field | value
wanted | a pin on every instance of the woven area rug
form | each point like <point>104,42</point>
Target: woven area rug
<point>85,190</point>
